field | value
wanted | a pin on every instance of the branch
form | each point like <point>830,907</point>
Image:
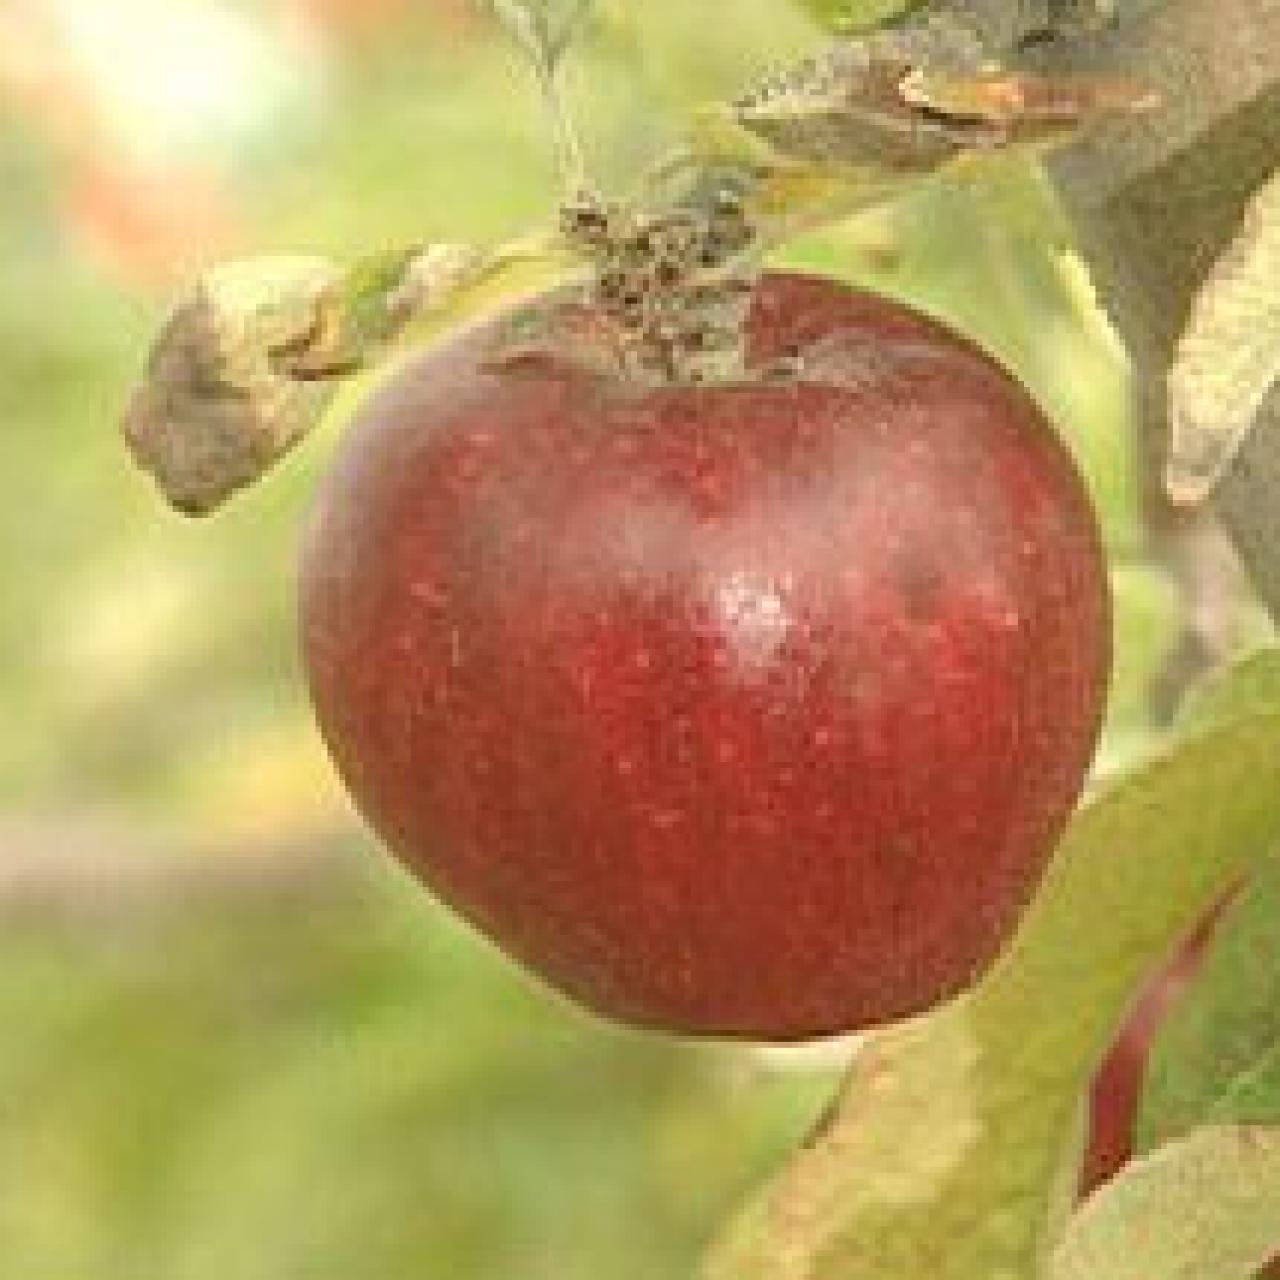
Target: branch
<point>1157,201</point>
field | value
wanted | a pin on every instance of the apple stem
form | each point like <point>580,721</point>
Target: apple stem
<point>570,158</point>
<point>545,44</point>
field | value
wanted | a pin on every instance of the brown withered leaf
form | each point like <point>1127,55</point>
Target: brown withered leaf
<point>220,402</point>
<point>819,142</point>
<point>1020,106</point>
<point>249,360</point>
<point>907,100</point>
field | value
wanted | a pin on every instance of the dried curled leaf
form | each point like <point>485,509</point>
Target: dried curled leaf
<point>248,362</point>
<point>915,96</point>
<point>846,110</point>
<point>823,140</point>
<point>1228,358</point>
<point>853,128</point>
<point>1018,106</point>
<point>219,402</point>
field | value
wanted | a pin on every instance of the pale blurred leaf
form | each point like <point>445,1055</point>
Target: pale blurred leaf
<point>954,1147</point>
<point>1206,1207</point>
<point>1228,357</point>
<point>1146,609</point>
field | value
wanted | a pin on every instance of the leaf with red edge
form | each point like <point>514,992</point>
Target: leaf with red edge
<point>1216,1059</point>
<point>954,1149</point>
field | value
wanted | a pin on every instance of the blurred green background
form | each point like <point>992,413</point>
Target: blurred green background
<point>235,1043</point>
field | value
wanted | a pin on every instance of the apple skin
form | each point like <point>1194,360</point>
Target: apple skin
<point>748,709</point>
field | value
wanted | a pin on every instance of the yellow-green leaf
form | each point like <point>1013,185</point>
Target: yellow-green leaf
<point>1206,1207</point>
<point>847,16</point>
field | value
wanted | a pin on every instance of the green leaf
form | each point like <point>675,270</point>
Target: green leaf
<point>1216,1060</point>
<point>846,16</point>
<point>1251,682</point>
<point>954,1148</point>
<point>1228,357</point>
<point>1204,1208</point>
<point>1147,612</point>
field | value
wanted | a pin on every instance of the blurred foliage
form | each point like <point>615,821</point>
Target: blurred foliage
<point>347,1083</point>
<point>329,1079</point>
<point>857,15</point>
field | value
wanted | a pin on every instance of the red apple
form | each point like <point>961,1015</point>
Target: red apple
<point>749,709</point>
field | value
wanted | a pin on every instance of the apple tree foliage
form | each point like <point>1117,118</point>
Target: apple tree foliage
<point>953,1148</point>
